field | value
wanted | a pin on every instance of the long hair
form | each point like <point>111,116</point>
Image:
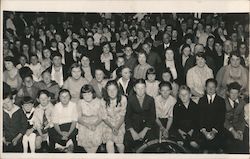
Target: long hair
<point>106,96</point>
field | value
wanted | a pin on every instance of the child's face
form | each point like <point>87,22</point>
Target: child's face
<point>28,107</point>
<point>187,51</point>
<point>64,98</point>
<point>169,55</point>
<point>57,61</point>
<point>28,82</point>
<point>88,97</point>
<point>165,92</point>
<point>46,53</point>
<point>166,76</point>
<point>234,94</point>
<point>184,96</point>
<point>44,100</point>
<point>8,104</point>
<point>54,44</point>
<point>74,45</point>
<point>46,77</point>
<point>126,73</point>
<point>76,73</point>
<point>142,59</point>
<point>120,61</point>
<point>140,89</point>
<point>34,60</point>
<point>211,88</point>
<point>22,60</point>
<point>151,77</point>
<point>105,49</point>
<point>112,91</point>
<point>99,75</point>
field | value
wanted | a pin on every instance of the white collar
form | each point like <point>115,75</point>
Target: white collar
<point>209,97</point>
<point>232,102</point>
<point>12,111</point>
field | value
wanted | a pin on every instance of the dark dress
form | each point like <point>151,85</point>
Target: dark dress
<point>138,117</point>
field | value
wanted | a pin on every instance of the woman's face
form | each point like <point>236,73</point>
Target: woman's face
<point>64,98</point>
<point>44,100</point>
<point>242,49</point>
<point>165,91</point>
<point>120,61</point>
<point>39,45</point>
<point>235,61</point>
<point>76,73</point>
<point>88,97</point>
<point>140,35</point>
<point>25,48</point>
<point>99,75</point>
<point>46,78</point>
<point>210,42</point>
<point>187,51</point>
<point>140,89</point>
<point>166,76</point>
<point>28,82</point>
<point>124,35</point>
<point>218,47</point>
<point>74,45</point>
<point>174,34</point>
<point>34,60</point>
<point>22,60</point>
<point>128,51</point>
<point>126,73</point>
<point>169,55</point>
<point>189,41</point>
<point>60,46</point>
<point>90,42</point>
<point>142,59</point>
<point>8,65</point>
<point>184,96</point>
<point>112,91</point>
<point>106,48</point>
<point>69,32</point>
<point>40,32</point>
<point>46,53</point>
<point>85,61</point>
<point>200,61</point>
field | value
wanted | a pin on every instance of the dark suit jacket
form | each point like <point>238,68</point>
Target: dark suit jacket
<point>138,117</point>
<point>65,71</point>
<point>129,89</point>
<point>235,116</point>
<point>161,50</point>
<point>212,115</point>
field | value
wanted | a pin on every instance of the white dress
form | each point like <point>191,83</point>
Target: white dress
<point>92,111</point>
<point>113,113</point>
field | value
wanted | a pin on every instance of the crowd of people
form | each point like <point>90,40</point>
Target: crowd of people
<point>102,82</point>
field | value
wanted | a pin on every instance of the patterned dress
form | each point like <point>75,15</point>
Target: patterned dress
<point>91,111</point>
<point>113,113</point>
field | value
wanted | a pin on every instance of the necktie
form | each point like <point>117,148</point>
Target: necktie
<point>45,122</point>
<point>235,104</point>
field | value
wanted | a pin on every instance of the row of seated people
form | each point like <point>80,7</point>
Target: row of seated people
<point>124,123</point>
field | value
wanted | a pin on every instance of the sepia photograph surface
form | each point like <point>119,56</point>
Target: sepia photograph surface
<point>117,84</point>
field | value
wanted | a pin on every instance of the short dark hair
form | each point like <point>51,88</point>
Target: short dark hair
<point>75,65</point>
<point>55,54</point>
<point>43,91</point>
<point>63,91</point>
<point>184,87</point>
<point>165,83</point>
<point>150,71</point>
<point>234,85</point>
<point>211,80</point>
<point>87,88</point>
<point>27,100</point>
<point>140,81</point>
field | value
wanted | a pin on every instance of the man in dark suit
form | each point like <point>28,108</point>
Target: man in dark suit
<point>59,72</point>
<point>234,119</point>
<point>212,116</point>
<point>140,118</point>
<point>166,39</point>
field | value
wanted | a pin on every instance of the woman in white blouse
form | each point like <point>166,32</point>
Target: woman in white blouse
<point>197,76</point>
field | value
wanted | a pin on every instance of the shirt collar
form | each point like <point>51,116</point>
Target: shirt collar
<point>213,96</point>
<point>232,102</point>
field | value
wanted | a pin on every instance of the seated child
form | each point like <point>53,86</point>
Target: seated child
<point>42,118</point>
<point>29,137</point>
<point>14,125</point>
<point>152,85</point>
<point>64,118</point>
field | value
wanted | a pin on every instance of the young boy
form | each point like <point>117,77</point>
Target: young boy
<point>36,68</point>
<point>29,137</point>
<point>234,119</point>
<point>28,89</point>
<point>42,118</point>
<point>14,125</point>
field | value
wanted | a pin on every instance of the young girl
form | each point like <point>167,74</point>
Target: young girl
<point>42,118</point>
<point>89,120</point>
<point>114,118</point>
<point>164,104</point>
<point>141,69</point>
<point>75,82</point>
<point>152,85</point>
<point>29,137</point>
<point>36,68</point>
<point>64,119</point>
